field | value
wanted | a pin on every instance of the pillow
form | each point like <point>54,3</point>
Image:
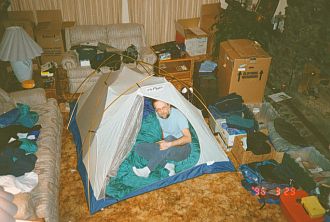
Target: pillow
<point>6,103</point>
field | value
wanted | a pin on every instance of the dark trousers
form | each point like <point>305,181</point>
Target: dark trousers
<point>157,157</point>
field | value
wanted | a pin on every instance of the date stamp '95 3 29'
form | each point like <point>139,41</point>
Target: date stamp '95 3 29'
<point>277,191</point>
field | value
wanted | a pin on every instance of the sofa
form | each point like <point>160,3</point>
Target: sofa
<point>119,36</point>
<point>43,200</point>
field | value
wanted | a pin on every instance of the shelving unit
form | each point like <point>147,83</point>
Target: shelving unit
<point>177,71</point>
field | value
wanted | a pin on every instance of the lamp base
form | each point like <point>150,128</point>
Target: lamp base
<point>22,69</point>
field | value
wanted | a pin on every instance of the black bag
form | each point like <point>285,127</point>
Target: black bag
<point>110,59</point>
<point>168,47</point>
<point>86,52</point>
<point>289,132</point>
<point>230,103</point>
<point>130,55</point>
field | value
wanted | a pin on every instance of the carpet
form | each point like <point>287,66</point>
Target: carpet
<point>211,197</point>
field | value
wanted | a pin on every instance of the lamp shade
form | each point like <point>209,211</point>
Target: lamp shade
<point>17,45</point>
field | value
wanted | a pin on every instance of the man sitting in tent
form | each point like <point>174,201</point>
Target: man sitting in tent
<point>174,146</point>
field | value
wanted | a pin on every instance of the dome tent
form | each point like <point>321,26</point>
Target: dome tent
<point>106,123</point>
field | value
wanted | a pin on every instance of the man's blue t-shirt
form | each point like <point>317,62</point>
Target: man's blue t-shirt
<point>174,124</point>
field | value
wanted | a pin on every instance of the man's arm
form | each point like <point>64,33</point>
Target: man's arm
<point>186,138</point>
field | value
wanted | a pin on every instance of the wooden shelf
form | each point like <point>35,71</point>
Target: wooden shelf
<point>177,71</point>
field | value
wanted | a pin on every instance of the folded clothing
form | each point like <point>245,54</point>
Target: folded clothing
<point>9,117</point>
<point>238,122</point>
<point>16,162</point>
<point>257,143</point>
<point>13,130</point>
<point>229,104</point>
<point>26,118</point>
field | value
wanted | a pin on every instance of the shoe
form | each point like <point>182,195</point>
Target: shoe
<point>143,172</point>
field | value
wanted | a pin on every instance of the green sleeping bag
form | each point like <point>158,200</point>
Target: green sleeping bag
<point>126,181</point>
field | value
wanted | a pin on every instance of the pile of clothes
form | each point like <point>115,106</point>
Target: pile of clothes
<point>18,136</point>
<point>237,116</point>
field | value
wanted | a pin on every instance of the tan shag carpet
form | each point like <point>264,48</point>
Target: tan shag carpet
<point>213,197</point>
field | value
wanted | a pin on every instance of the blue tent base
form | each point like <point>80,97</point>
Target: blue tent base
<point>96,205</point>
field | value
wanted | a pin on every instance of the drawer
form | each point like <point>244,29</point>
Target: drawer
<point>179,75</point>
<point>183,83</point>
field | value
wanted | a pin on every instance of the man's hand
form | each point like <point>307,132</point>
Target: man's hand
<point>163,145</point>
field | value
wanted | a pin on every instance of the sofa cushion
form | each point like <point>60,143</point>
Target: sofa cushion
<point>85,33</point>
<point>6,103</point>
<point>121,36</point>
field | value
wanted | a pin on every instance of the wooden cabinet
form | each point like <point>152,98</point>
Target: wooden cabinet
<point>48,83</point>
<point>177,71</point>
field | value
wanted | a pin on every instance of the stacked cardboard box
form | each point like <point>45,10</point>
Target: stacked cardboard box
<point>226,133</point>
<point>45,26</point>
<point>209,15</point>
<point>243,157</point>
<point>189,33</point>
<point>197,34</point>
<point>48,34</point>
<point>243,68</point>
<point>25,19</point>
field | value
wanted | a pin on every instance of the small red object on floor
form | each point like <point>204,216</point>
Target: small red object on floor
<point>293,209</point>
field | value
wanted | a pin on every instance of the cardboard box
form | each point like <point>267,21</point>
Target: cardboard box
<point>209,15</point>
<point>51,58</point>
<point>243,157</point>
<point>28,26</point>
<point>49,31</point>
<point>22,15</point>
<point>65,25</point>
<point>54,16</point>
<point>189,33</point>
<point>226,133</point>
<point>243,68</point>
<point>49,37</point>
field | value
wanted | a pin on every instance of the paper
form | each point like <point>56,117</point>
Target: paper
<point>85,63</point>
<point>278,97</point>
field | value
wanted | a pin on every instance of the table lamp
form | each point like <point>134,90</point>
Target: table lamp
<point>19,49</point>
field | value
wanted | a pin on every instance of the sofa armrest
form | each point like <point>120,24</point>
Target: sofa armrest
<point>148,58</point>
<point>70,60</point>
<point>147,55</point>
<point>30,96</point>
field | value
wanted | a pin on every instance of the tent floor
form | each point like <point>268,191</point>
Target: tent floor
<point>213,197</point>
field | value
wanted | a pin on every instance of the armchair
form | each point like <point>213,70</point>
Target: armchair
<point>119,36</point>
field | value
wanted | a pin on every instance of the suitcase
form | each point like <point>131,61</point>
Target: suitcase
<point>205,84</point>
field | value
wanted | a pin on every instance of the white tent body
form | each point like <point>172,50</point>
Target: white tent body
<point>109,117</point>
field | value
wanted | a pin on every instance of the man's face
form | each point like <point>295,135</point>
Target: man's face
<point>162,109</point>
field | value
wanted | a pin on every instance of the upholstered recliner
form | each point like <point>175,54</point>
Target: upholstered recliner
<point>119,36</point>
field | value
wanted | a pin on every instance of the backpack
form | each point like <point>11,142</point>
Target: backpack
<point>260,180</point>
<point>130,54</point>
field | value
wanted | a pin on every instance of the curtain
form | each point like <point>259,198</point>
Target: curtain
<point>158,16</point>
<point>83,12</point>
